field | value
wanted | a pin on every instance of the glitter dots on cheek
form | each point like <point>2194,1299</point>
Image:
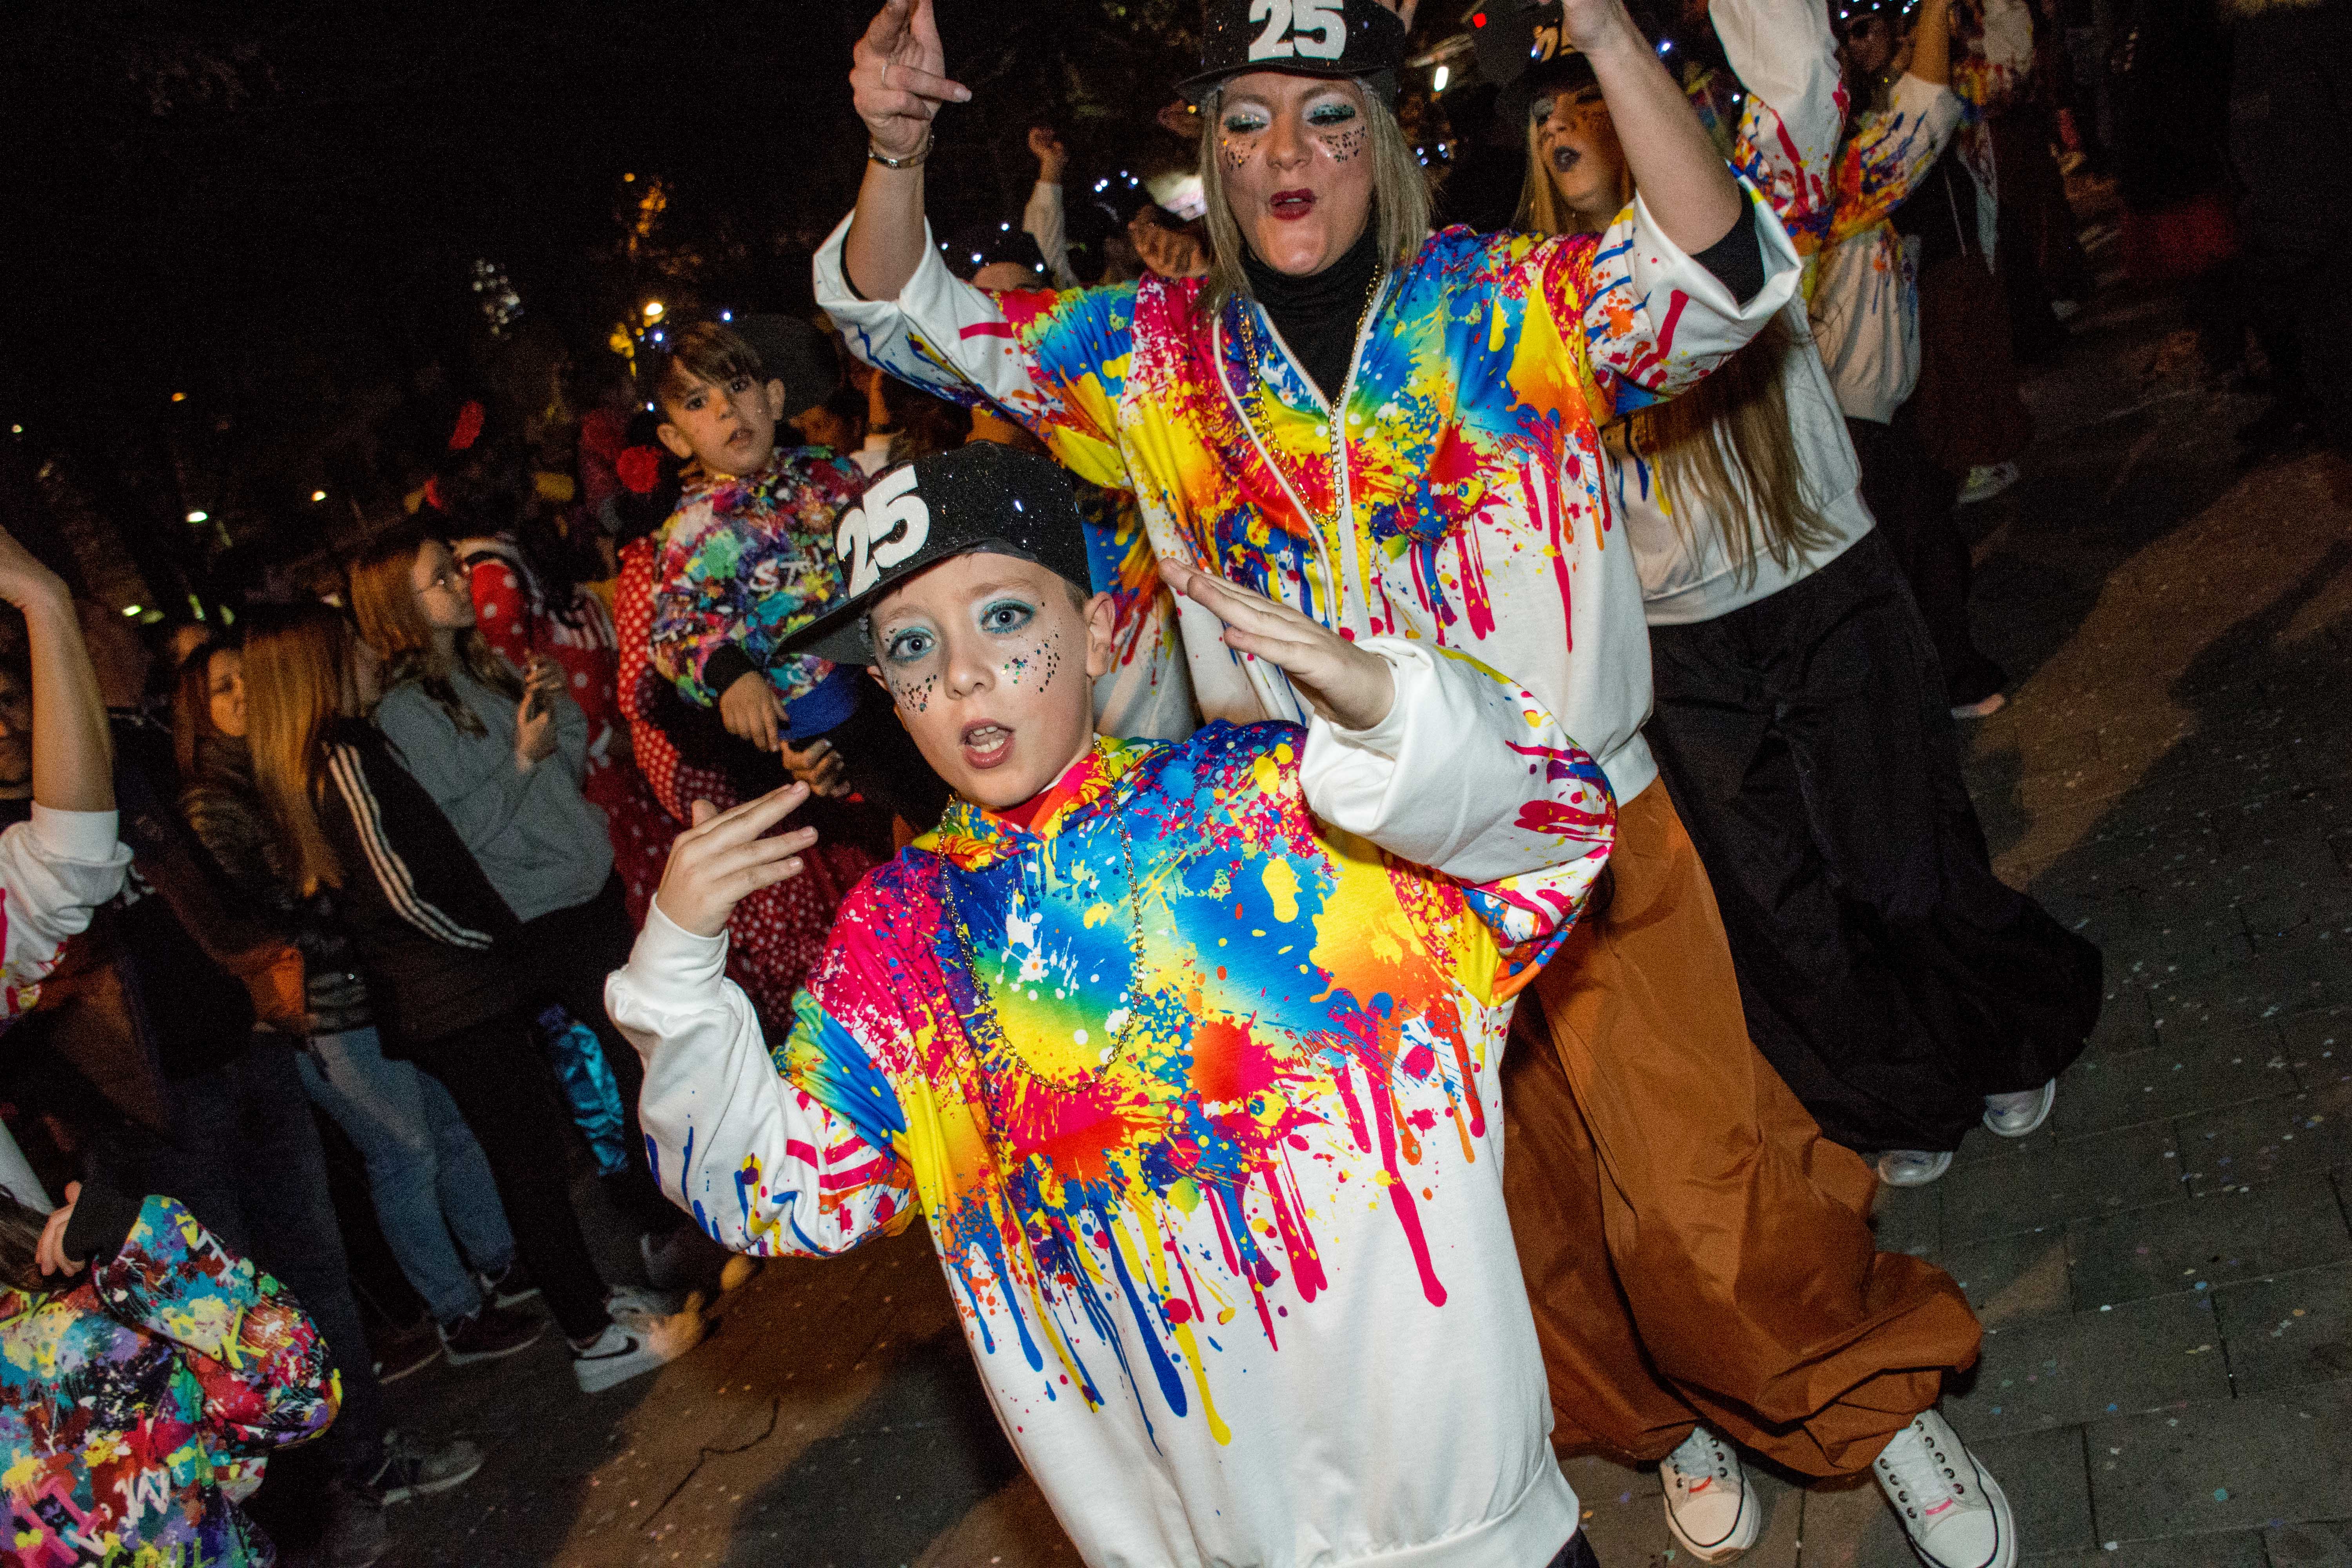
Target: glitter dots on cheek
<point>1346,146</point>
<point>915,696</point>
<point>1235,151</point>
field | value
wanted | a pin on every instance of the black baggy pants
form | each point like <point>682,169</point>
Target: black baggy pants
<point>1887,973</point>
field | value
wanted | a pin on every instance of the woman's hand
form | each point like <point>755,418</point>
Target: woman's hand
<point>1595,23</point>
<point>51,1251</point>
<point>1053,158</point>
<point>897,77</point>
<point>725,857</point>
<point>542,688</point>
<point>25,581</point>
<point>753,711</point>
<point>1351,688</point>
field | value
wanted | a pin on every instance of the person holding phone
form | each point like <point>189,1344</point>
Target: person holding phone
<point>503,757</point>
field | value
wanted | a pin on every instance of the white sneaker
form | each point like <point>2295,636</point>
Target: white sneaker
<point>1987,481</point>
<point>1913,1167</point>
<point>1982,708</point>
<point>1953,1512</point>
<point>621,1354</point>
<point>2015,1115</point>
<point>1710,1508</point>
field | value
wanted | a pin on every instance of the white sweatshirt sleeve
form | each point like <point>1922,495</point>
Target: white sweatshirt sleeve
<point>760,1164</point>
<point>54,871</point>
<point>1469,777</point>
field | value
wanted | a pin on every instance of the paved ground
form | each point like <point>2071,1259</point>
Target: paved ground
<point>2166,1272</point>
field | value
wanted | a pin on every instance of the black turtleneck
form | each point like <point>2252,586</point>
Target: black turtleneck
<point>1317,315</point>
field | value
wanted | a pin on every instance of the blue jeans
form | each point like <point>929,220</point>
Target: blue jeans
<point>1577,1553</point>
<point>426,1173</point>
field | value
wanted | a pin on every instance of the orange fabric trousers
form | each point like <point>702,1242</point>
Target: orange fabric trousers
<point>1695,1249</point>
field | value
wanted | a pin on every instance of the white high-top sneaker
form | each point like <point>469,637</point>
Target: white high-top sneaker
<point>1710,1508</point>
<point>1954,1511</point>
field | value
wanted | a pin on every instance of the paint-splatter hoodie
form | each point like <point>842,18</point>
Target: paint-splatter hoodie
<point>137,1405</point>
<point>54,869</point>
<point>1466,505</point>
<point>1195,1079</point>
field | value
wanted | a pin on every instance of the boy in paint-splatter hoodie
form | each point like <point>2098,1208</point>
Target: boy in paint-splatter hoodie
<point>1187,1051</point>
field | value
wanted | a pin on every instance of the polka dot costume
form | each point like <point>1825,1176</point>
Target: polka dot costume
<point>777,934</point>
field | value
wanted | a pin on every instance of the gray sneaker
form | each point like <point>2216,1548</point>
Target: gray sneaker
<point>2015,1115</point>
<point>1913,1167</point>
<point>411,1470</point>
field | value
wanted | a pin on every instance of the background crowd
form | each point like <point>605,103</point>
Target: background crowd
<point>395,805</point>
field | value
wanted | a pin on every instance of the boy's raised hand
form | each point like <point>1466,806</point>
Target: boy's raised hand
<point>726,856</point>
<point>1348,686</point>
<point>899,78</point>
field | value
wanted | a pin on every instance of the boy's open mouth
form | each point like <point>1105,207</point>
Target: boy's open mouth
<point>986,745</point>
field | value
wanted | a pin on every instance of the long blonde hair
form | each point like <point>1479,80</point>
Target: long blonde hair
<point>1723,449</point>
<point>384,597</point>
<point>296,668</point>
<point>1400,202</point>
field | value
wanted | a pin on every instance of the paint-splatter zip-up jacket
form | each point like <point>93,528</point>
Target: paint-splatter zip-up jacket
<point>1865,300</point>
<point>55,870</point>
<point>1195,1079</point>
<point>137,1405</point>
<point>1466,504</point>
<point>743,564</point>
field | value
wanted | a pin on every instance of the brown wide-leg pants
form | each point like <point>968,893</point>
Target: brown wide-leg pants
<point>1695,1249</point>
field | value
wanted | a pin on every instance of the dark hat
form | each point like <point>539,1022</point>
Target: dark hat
<point>1523,50</point>
<point>983,496</point>
<point>795,353</point>
<point>1299,37</point>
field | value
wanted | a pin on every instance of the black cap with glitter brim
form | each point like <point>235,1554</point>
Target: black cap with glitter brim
<point>983,496</point>
<point>1299,37</point>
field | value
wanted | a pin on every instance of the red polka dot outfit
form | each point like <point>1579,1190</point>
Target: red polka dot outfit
<point>586,649</point>
<point>777,934</point>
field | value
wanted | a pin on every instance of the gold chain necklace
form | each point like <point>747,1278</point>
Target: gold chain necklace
<point>1339,404</point>
<point>983,1027</point>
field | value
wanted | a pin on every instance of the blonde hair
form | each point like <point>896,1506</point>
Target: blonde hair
<point>297,661</point>
<point>1723,449</point>
<point>384,597</point>
<point>1400,201</point>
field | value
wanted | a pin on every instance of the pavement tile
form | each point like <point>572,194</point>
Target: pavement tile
<point>2013,1278</point>
<point>2265,1460</point>
<point>2324,1545</point>
<point>2237,1548</point>
<point>2049,1494</point>
<point>2304,979</point>
<point>2292,1137</point>
<point>1848,1524</point>
<point>2290,1331</point>
<point>1909,1219</point>
<point>2224,1240</point>
<point>2057,1372</point>
<point>2124,1087</point>
<point>2044,1180</point>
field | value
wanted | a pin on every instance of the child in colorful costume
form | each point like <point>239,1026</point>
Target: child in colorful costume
<point>1187,1050</point>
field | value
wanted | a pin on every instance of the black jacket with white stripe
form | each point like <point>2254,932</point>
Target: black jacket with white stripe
<point>434,938</point>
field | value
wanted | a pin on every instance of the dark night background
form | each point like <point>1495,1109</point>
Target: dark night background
<point>277,209</point>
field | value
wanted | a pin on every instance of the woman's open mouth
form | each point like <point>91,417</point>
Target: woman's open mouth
<point>1565,157</point>
<point>986,746</point>
<point>1291,205</point>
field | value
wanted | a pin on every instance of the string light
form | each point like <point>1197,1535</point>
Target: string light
<point>132,612</point>
<point>199,517</point>
<point>1445,74</point>
<point>179,397</point>
<point>318,495</point>
<point>654,309</point>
